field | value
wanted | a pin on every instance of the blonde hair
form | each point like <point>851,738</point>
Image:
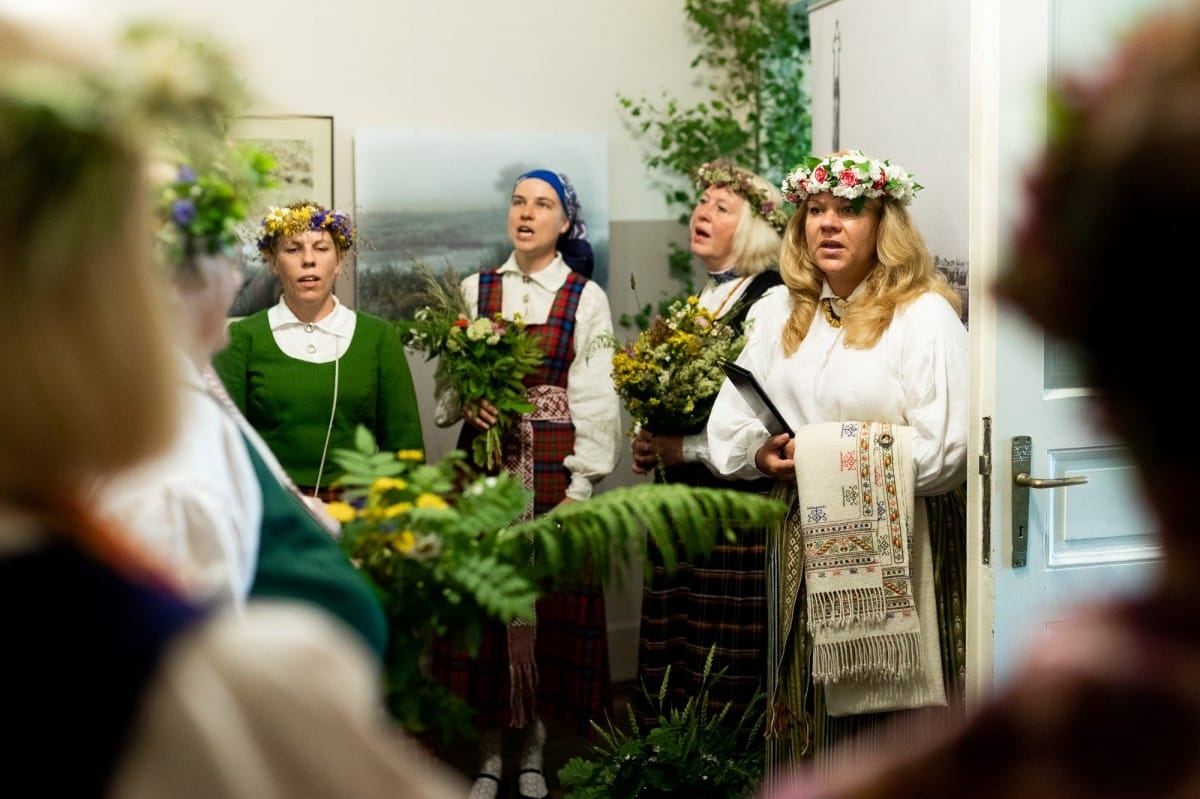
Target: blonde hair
<point>756,242</point>
<point>92,379</point>
<point>903,271</point>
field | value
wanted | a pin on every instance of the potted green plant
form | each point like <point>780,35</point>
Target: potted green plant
<point>692,751</point>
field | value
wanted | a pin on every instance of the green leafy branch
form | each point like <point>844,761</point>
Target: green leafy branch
<point>446,554</point>
<point>753,55</point>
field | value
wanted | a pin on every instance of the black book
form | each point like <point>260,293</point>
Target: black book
<point>753,393</point>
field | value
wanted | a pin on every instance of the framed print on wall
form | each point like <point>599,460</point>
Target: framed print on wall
<point>302,146</point>
<point>440,197</point>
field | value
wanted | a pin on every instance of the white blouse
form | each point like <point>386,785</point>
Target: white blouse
<point>591,394</point>
<point>916,375</point>
<point>197,508</point>
<point>718,298</point>
<point>315,342</point>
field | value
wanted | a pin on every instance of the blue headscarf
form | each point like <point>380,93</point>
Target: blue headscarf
<point>573,244</point>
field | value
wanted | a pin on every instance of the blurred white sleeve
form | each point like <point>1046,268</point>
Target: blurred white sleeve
<point>282,703</point>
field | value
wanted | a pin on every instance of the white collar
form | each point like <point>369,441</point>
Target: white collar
<point>553,276</point>
<point>339,322</point>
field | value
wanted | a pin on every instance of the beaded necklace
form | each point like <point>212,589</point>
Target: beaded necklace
<point>831,317</point>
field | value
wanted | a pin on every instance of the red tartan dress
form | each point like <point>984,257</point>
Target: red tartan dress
<point>571,650</point>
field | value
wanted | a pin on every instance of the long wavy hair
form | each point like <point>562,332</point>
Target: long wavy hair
<point>902,272</point>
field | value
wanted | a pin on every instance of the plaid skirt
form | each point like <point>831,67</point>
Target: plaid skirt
<point>715,601</point>
<point>571,649</point>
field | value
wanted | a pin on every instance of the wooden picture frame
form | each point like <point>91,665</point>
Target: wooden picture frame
<point>302,146</point>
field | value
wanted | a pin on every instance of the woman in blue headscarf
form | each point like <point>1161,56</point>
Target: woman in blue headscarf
<point>556,668</point>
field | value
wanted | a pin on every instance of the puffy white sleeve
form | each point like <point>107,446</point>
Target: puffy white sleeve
<point>280,704</point>
<point>592,396</point>
<point>198,507</point>
<point>734,432</point>
<point>935,370</point>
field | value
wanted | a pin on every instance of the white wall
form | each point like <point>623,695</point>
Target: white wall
<point>904,96</point>
<point>540,65</point>
<point>478,64</point>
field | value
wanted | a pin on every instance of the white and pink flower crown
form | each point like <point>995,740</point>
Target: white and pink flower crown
<point>852,175</point>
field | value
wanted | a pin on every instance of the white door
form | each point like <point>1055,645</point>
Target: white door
<point>1084,540</point>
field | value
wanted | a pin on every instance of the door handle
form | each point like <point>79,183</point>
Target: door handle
<point>1022,455</point>
<point>1024,479</point>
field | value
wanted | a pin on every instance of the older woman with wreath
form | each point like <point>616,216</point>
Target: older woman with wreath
<point>719,600</point>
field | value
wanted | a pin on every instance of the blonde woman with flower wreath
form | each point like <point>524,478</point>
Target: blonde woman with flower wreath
<point>719,600</point>
<point>557,668</point>
<point>865,355</point>
<point>121,687</point>
<point>1106,707</point>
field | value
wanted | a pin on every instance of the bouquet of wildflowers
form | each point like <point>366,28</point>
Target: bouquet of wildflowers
<point>483,358</point>
<point>442,547</point>
<point>670,375</point>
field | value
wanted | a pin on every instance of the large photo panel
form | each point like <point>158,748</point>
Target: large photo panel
<point>441,197</point>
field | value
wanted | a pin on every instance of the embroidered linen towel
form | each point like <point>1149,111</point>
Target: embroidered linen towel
<point>856,504</point>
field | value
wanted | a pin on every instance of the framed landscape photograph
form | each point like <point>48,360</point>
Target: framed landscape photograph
<point>440,197</point>
<point>302,146</point>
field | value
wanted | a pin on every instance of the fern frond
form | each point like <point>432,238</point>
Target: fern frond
<point>617,523</point>
<point>491,504</point>
<point>499,588</point>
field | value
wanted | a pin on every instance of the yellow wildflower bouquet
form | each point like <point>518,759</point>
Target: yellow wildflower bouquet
<point>442,547</point>
<point>670,375</point>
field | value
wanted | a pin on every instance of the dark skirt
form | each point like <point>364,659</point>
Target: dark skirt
<point>571,652</point>
<point>812,733</point>
<point>571,648</point>
<point>714,601</point>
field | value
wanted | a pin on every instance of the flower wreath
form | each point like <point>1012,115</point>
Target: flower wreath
<point>300,217</point>
<point>725,175</point>
<point>199,210</point>
<point>851,175</point>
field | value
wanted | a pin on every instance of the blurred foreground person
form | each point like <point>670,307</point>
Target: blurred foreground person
<point>197,507</point>
<point>119,686</point>
<point>1110,705</point>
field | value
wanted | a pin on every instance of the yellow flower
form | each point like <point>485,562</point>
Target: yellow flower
<point>417,455</point>
<point>384,484</point>
<point>403,541</point>
<point>392,511</point>
<point>430,501</point>
<point>342,511</point>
